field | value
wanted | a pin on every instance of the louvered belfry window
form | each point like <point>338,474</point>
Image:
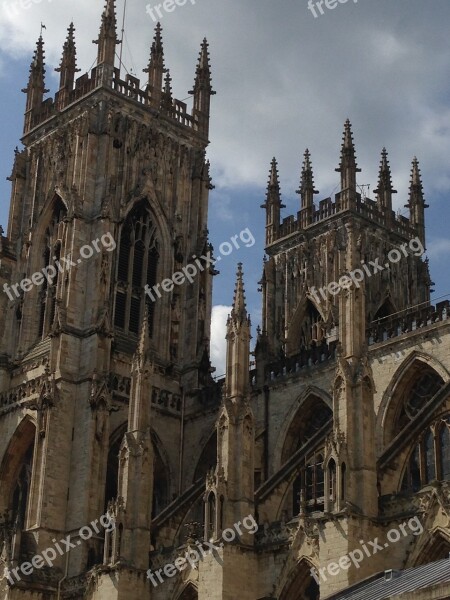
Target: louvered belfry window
<point>137,267</point>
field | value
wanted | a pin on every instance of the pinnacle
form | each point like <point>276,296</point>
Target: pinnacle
<point>157,39</point>
<point>168,84</point>
<point>416,178</point>
<point>156,52</point>
<point>203,70</point>
<point>69,51</point>
<point>239,310</point>
<point>273,176</point>
<point>307,176</point>
<point>385,177</point>
<point>37,68</point>
<point>348,154</point>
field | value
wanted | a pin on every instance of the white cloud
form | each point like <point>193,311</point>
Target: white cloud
<point>218,333</point>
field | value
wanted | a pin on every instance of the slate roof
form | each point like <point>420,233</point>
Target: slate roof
<point>380,587</point>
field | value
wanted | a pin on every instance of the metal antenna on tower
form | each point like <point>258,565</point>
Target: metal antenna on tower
<point>123,33</point>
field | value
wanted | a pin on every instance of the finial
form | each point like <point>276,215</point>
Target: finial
<point>385,188</point>
<point>307,189</point>
<point>202,91</point>
<point>347,166</point>
<point>107,39</point>
<point>68,65</point>
<point>167,99</point>
<point>239,310</point>
<point>156,68</point>
<point>35,89</point>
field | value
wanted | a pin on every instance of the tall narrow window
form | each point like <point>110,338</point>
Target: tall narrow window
<point>137,267</point>
<point>54,238</point>
<point>444,452</point>
<point>211,508</point>
<point>414,467</point>
<point>343,481</point>
<point>430,463</point>
<point>332,480</point>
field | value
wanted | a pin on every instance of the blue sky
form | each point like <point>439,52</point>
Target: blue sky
<point>285,81</point>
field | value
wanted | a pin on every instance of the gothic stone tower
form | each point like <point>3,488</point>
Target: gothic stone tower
<point>109,195</point>
<point>349,346</point>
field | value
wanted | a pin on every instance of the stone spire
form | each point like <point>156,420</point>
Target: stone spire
<point>156,68</point>
<point>273,204</point>
<point>238,343</point>
<point>35,89</point>
<point>348,167</point>
<point>107,41</point>
<point>203,90</point>
<point>385,189</point>
<point>307,189</point>
<point>67,68</point>
<point>416,202</point>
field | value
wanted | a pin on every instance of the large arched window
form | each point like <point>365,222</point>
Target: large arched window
<point>301,584</point>
<point>307,431</point>
<point>15,485</point>
<point>430,458</point>
<point>54,238</point>
<point>137,267</point>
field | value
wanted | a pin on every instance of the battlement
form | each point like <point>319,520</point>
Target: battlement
<point>155,94</point>
<point>129,88</point>
<point>377,211</point>
<point>365,207</point>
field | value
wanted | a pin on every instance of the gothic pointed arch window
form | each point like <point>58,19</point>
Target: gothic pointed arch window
<point>137,267</point>
<point>16,472</point>
<point>418,387</point>
<point>53,242</point>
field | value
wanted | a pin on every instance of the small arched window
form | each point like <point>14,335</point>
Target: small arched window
<point>137,267</point>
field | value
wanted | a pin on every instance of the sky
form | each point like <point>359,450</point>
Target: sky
<point>285,80</point>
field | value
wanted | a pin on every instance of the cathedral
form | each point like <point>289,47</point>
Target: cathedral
<point>317,468</point>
